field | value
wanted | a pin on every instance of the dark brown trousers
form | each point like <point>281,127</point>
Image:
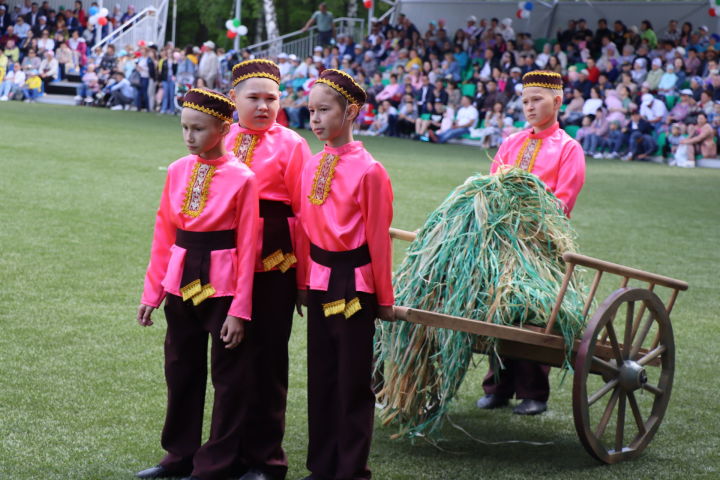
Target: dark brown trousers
<point>266,373</point>
<point>522,378</point>
<point>186,345</point>
<point>341,402</point>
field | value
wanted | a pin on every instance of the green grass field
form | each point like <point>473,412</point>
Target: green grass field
<point>81,385</point>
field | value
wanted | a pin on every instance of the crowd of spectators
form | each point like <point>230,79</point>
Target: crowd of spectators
<point>631,92</point>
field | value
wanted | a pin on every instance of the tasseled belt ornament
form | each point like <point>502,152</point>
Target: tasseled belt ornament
<point>341,294</point>
<point>196,270</point>
<point>277,248</point>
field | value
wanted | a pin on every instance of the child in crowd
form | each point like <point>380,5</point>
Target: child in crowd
<point>201,264</point>
<point>33,86</point>
<point>585,129</point>
<point>276,155</point>
<point>346,212</point>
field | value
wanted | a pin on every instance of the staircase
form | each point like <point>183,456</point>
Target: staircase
<point>61,92</point>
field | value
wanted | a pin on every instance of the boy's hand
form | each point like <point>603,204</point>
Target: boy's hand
<point>386,313</point>
<point>232,332</point>
<point>143,315</point>
<point>300,301</point>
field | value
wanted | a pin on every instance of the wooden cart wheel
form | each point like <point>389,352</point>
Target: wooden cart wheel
<point>623,375</point>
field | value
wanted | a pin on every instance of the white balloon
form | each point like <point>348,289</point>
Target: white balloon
<point>103,12</point>
<point>242,30</point>
<point>525,14</point>
<point>93,19</point>
<point>229,25</point>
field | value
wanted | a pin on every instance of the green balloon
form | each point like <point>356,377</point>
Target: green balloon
<point>236,22</point>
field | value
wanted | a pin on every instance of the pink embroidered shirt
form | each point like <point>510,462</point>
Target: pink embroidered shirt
<point>204,196</point>
<point>552,155</point>
<point>276,157</point>
<point>346,203</point>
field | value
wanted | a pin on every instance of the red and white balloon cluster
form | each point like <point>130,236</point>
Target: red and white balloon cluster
<point>234,28</point>
<point>524,9</point>
<point>98,16</point>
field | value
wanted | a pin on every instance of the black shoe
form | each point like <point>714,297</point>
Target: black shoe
<point>488,402</point>
<point>530,407</point>
<point>255,474</point>
<point>158,471</point>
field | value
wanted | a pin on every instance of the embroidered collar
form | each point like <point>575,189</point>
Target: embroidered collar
<point>349,147</point>
<point>213,161</point>
<point>545,133</point>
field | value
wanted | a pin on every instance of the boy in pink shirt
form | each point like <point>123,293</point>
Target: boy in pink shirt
<point>548,152</point>
<point>201,264</point>
<point>346,212</point>
<point>276,156</point>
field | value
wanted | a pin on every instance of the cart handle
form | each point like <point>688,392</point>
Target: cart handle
<point>614,268</point>
<point>402,234</point>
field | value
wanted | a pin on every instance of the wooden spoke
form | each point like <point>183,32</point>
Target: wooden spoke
<point>614,343</point>
<point>629,315</point>
<point>642,336</point>
<point>636,413</point>
<point>600,393</point>
<point>652,355</point>
<point>605,365</point>
<point>606,414</point>
<point>653,389</point>
<point>620,427</point>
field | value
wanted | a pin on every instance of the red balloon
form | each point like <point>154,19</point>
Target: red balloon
<point>518,14</point>
<point>231,34</point>
<point>102,21</point>
<point>712,12</point>
<point>368,3</point>
<point>141,43</point>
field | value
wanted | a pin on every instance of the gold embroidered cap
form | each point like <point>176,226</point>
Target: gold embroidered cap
<point>258,67</point>
<point>344,84</point>
<point>543,79</point>
<point>210,102</point>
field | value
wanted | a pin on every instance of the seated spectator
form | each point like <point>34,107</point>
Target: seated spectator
<point>491,134</point>
<point>122,93</point>
<point>574,111</point>
<point>64,57</point>
<point>45,43</point>
<point>593,142</point>
<point>653,110</point>
<point>434,123</point>
<point>636,132</point>
<point>381,124</point>
<point>584,129</point>
<point>681,109</point>
<point>592,104</point>
<point>466,118</point>
<point>49,68</point>
<point>613,142</point>
<point>12,52</point>
<point>655,74</point>
<point>673,142</point>
<point>89,87</point>
<point>13,83</point>
<point>33,87</point>
<point>407,115</point>
<point>392,91</point>
<point>668,81</point>
<point>639,72</point>
<point>295,105</point>
<point>702,136</point>
<point>454,94</point>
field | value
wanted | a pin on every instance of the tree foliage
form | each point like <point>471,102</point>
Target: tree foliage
<point>201,21</point>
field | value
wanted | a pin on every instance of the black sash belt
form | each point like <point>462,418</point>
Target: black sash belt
<point>341,295</point>
<point>277,248</point>
<point>196,270</point>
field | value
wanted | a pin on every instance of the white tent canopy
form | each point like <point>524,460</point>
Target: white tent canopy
<point>549,16</point>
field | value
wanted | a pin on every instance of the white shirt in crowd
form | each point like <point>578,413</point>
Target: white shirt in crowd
<point>466,117</point>
<point>654,110</point>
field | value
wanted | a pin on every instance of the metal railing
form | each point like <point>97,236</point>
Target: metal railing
<point>301,43</point>
<point>147,25</point>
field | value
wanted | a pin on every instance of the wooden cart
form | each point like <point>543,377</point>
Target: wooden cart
<point>623,364</point>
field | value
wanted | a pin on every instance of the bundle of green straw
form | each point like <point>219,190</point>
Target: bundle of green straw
<point>492,251</point>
